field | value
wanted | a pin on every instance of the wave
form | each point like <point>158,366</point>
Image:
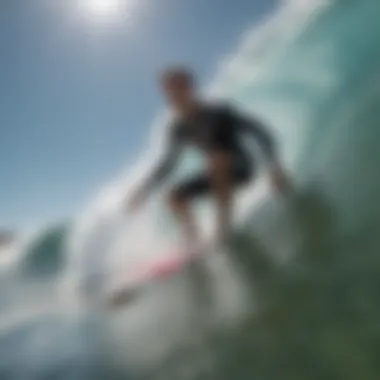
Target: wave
<point>299,287</point>
<point>45,255</point>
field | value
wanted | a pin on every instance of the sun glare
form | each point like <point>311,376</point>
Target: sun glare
<point>102,9</point>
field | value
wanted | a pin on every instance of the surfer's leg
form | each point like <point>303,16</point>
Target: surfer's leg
<point>179,201</point>
<point>222,188</point>
<point>181,210</point>
<point>226,175</point>
<point>221,180</point>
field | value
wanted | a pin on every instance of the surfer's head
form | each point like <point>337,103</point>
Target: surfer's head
<point>178,84</point>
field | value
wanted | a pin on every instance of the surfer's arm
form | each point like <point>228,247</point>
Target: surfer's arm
<point>165,165</point>
<point>263,137</point>
<point>245,125</point>
<point>265,140</point>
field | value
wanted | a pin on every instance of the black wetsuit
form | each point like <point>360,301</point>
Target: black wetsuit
<point>215,128</point>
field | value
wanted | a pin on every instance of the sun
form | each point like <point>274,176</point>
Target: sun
<point>102,9</point>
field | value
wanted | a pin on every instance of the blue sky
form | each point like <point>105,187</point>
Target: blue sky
<point>77,98</point>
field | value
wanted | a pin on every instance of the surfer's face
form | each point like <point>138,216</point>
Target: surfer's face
<point>178,93</point>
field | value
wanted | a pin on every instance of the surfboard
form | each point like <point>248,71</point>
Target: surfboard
<point>140,277</point>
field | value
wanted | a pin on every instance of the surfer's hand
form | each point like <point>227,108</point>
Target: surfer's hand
<point>280,180</point>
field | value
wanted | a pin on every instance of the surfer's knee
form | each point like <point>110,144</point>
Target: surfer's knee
<point>176,200</point>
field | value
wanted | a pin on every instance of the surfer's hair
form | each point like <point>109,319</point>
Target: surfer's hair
<point>179,74</point>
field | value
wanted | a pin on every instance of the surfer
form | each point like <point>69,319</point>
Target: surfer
<point>216,130</point>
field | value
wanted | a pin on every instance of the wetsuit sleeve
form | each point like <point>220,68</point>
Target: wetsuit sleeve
<point>259,132</point>
<point>167,163</point>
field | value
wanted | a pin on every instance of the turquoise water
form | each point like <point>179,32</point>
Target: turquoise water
<point>295,297</point>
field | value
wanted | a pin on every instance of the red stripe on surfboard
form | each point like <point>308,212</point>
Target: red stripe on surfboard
<point>159,267</point>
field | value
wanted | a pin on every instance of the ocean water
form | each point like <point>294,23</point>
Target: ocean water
<point>296,294</point>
